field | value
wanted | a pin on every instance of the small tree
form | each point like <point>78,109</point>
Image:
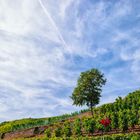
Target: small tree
<point>88,89</point>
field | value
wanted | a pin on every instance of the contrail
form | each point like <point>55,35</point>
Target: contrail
<point>53,23</point>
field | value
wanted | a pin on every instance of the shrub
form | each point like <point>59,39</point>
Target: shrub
<point>106,123</point>
<point>67,129</point>
<point>114,120</point>
<point>48,133</point>
<point>123,120</point>
<point>89,125</point>
<point>77,127</point>
<point>58,131</point>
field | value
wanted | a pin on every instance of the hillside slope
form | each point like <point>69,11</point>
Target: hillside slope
<point>123,113</point>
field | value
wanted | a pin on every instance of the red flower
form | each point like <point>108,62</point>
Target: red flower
<point>105,122</point>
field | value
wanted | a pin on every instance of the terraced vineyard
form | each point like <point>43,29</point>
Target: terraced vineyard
<point>123,116</point>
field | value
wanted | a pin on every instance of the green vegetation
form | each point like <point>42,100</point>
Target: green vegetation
<point>120,116</point>
<point>67,131</point>
<point>48,133</point>
<point>123,113</point>
<point>131,136</point>
<point>77,127</point>
<point>117,115</point>
<point>11,126</point>
<point>89,125</point>
<point>58,131</point>
<point>88,89</point>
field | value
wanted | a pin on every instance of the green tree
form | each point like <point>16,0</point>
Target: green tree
<point>88,89</point>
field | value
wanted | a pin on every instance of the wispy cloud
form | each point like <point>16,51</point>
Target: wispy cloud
<point>44,45</point>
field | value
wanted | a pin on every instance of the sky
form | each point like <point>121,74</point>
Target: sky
<point>46,44</point>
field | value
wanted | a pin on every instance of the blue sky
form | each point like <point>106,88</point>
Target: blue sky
<point>46,44</point>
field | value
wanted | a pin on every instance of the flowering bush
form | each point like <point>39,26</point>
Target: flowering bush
<point>105,122</point>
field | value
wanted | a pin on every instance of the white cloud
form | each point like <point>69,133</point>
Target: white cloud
<point>24,63</point>
<point>38,50</point>
<point>15,17</point>
<point>63,7</point>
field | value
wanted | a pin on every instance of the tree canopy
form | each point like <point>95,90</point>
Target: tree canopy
<point>88,89</point>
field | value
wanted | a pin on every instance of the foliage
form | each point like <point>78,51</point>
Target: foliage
<point>123,113</point>
<point>123,120</point>
<point>77,127</point>
<point>131,136</point>
<point>114,120</point>
<point>88,89</point>
<point>105,122</point>
<point>58,131</point>
<point>48,133</point>
<point>67,129</point>
<point>89,125</point>
<point>22,124</point>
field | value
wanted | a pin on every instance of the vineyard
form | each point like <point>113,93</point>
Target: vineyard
<point>122,116</point>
